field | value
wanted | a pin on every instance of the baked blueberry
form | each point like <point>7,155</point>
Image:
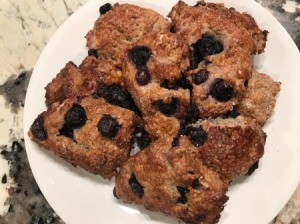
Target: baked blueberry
<point>183,191</point>
<point>135,186</point>
<point>116,95</point>
<point>205,46</point>
<point>108,126</point>
<point>38,130</point>
<point>192,113</point>
<point>167,109</point>
<point>139,55</point>
<point>221,90</point>
<point>196,184</point>
<point>253,168</point>
<point>142,77</point>
<point>75,116</point>
<point>197,135</point>
<point>200,77</point>
<point>93,52</point>
<point>144,140</point>
<point>105,8</point>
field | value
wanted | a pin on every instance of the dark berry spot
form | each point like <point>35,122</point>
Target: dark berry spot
<point>144,140</point>
<point>4,179</point>
<point>166,84</point>
<point>200,218</point>
<point>196,184</point>
<point>200,77</point>
<point>116,95</point>
<point>105,8</point>
<point>139,56</point>
<point>38,129</point>
<point>66,131</point>
<point>183,191</point>
<point>232,113</point>
<point>253,168</point>
<point>192,113</point>
<point>246,83</point>
<point>142,77</point>
<point>175,141</point>
<point>206,46</point>
<point>136,187</point>
<point>167,109</point>
<point>75,116</point>
<point>221,90</point>
<point>172,29</point>
<point>197,135</point>
<point>108,126</point>
<point>93,52</point>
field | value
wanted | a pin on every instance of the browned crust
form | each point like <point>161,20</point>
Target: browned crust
<point>160,169</point>
<point>260,98</point>
<point>90,150</point>
<point>232,145</point>
<point>123,25</point>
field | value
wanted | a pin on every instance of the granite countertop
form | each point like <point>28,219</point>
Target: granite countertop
<point>25,28</point>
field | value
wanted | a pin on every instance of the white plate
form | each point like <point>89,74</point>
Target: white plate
<point>80,197</point>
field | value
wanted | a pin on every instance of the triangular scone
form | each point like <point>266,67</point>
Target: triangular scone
<point>86,132</point>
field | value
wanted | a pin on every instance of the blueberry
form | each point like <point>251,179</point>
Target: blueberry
<point>246,83</point>
<point>108,126</point>
<point>232,114</point>
<point>197,135</point>
<point>253,168</point>
<point>221,90</point>
<point>196,184</point>
<point>200,77</point>
<point>167,109</point>
<point>183,191</point>
<point>116,95</point>
<point>38,129</point>
<point>93,52</point>
<point>200,218</point>
<point>172,29</point>
<point>139,55</point>
<point>175,141</point>
<point>136,187</point>
<point>144,140</point>
<point>105,8</point>
<point>192,113</point>
<point>142,77</point>
<point>205,46</point>
<point>75,116</point>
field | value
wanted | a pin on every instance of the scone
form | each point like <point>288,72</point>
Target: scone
<point>260,98</point>
<point>119,27</point>
<point>229,146</point>
<point>153,75</point>
<point>86,132</point>
<point>172,180</point>
<point>80,81</point>
<point>221,41</point>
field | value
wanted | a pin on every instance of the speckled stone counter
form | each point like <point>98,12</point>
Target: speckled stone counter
<point>25,28</point>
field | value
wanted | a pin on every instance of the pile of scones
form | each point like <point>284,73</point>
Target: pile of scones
<point>183,89</point>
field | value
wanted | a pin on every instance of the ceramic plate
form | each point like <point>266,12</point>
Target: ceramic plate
<point>80,197</point>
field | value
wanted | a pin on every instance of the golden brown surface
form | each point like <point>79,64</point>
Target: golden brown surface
<point>89,149</point>
<point>123,25</point>
<point>259,101</point>
<point>80,81</point>
<point>232,145</point>
<point>239,35</point>
<point>160,170</point>
<point>168,60</point>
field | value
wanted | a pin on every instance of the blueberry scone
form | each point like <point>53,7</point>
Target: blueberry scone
<point>260,98</point>
<point>86,132</point>
<point>229,146</point>
<point>174,181</point>
<point>153,75</point>
<point>80,80</point>
<point>221,41</point>
<point>118,27</point>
